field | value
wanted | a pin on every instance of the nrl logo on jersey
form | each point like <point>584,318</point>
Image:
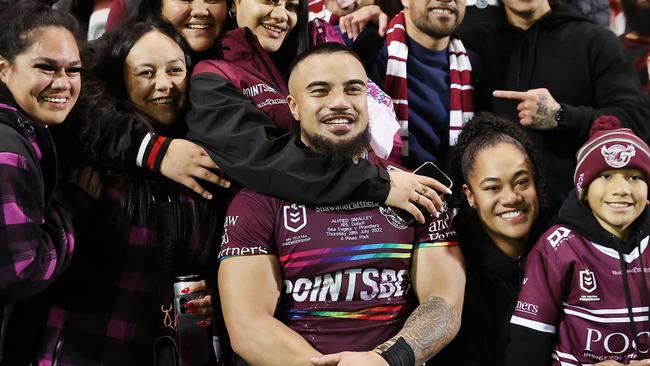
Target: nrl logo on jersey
<point>617,156</point>
<point>588,281</point>
<point>589,285</point>
<point>295,217</point>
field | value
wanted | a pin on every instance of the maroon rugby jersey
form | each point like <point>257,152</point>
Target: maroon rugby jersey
<point>345,269</point>
<point>574,288</point>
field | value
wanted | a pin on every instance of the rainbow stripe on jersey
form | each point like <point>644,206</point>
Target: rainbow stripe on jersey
<point>384,313</point>
<point>378,250</point>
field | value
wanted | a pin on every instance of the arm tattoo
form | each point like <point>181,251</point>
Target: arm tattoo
<point>429,328</point>
<point>545,116</point>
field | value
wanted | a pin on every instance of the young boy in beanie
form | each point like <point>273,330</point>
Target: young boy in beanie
<point>585,293</point>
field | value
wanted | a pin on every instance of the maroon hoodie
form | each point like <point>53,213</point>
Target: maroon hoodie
<point>248,67</point>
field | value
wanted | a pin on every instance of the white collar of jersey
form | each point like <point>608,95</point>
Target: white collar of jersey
<point>629,258</point>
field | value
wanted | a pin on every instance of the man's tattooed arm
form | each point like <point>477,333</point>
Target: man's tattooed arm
<point>438,278</point>
<point>428,329</point>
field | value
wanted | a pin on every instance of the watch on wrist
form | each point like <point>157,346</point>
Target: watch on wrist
<point>559,115</point>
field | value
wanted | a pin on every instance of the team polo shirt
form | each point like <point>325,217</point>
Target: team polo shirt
<point>345,269</point>
<point>574,288</point>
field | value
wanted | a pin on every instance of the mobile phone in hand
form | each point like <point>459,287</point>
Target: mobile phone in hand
<point>428,169</point>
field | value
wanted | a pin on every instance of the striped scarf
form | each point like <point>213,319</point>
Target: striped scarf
<point>461,106</point>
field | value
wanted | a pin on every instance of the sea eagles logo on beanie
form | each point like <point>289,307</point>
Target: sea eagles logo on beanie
<point>617,156</point>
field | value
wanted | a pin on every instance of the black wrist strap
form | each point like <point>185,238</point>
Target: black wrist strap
<point>399,354</point>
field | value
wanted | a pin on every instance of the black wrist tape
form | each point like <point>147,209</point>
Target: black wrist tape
<point>399,354</point>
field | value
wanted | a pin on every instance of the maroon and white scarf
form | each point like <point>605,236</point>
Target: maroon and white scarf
<point>461,106</point>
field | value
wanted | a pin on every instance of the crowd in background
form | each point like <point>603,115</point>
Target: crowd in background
<point>267,147</point>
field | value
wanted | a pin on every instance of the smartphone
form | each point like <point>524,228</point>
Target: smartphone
<point>428,169</point>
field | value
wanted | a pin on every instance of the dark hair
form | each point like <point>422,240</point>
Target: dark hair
<point>636,17</point>
<point>104,97</point>
<point>21,18</point>
<point>325,48</point>
<point>297,42</point>
<point>390,7</point>
<point>149,10</point>
<point>483,131</point>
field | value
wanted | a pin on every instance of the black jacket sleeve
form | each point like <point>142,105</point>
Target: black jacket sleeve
<point>616,91</point>
<point>101,132</point>
<point>529,347</point>
<point>119,144</point>
<point>250,149</point>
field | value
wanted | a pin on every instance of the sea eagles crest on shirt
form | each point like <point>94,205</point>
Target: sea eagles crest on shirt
<point>295,217</point>
<point>617,156</point>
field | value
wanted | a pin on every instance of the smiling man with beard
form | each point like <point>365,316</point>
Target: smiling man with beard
<point>336,285</point>
<point>338,131</point>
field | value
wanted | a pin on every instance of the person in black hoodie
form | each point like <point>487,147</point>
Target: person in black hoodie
<point>553,70</point>
<point>497,197</point>
<point>585,295</point>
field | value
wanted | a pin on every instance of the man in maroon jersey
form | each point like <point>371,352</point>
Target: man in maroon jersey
<point>328,285</point>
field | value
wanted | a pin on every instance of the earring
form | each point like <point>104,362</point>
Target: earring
<point>232,13</point>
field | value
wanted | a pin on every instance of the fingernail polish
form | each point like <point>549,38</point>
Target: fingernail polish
<point>191,311</point>
<point>185,290</point>
<point>189,305</point>
<point>203,324</point>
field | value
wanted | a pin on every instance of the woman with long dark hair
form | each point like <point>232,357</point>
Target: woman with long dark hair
<point>39,84</point>
<point>200,22</point>
<point>498,197</point>
<point>151,229</point>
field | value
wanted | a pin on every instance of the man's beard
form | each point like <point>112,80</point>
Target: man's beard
<point>637,16</point>
<point>434,30</point>
<point>339,153</point>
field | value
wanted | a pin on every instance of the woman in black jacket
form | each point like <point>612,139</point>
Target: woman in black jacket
<point>498,198</point>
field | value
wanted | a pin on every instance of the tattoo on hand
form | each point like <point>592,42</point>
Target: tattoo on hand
<point>429,328</point>
<point>544,119</point>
